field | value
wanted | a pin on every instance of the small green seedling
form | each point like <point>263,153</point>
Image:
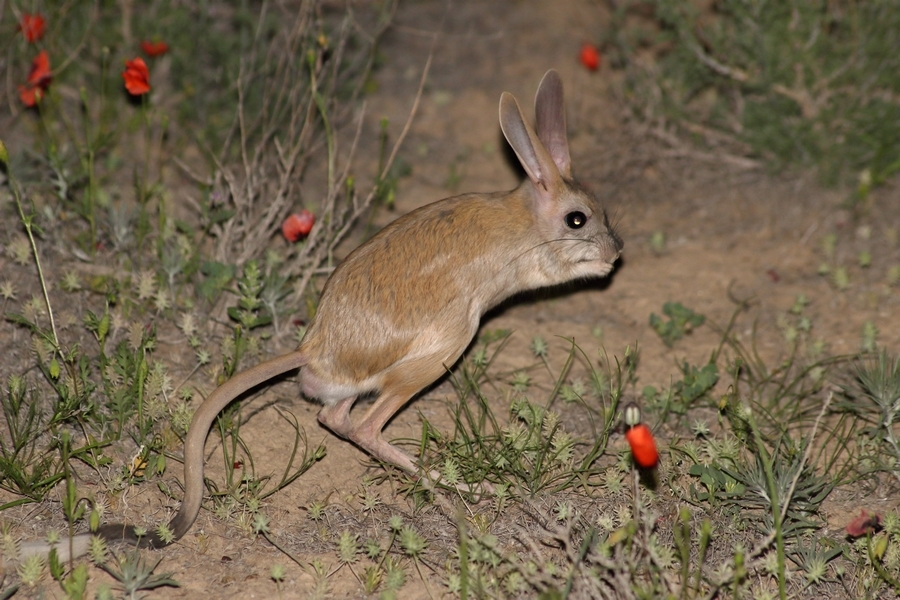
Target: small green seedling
<point>250,312</point>
<point>681,321</point>
<point>658,242</point>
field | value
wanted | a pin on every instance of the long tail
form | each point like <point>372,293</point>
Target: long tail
<point>202,421</point>
<point>193,469</point>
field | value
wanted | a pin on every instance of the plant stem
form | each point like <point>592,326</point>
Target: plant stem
<point>27,221</point>
<point>777,514</point>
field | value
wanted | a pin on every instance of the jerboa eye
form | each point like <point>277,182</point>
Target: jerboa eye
<point>576,219</point>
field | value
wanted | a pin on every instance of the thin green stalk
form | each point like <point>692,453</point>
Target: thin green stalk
<point>777,514</point>
<point>140,177</point>
<point>422,577</point>
<point>323,112</point>
<point>28,222</point>
<point>145,119</point>
<point>143,369</point>
<point>91,197</point>
<point>705,539</point>
<point>682,535</point>
<point>560,379</point>
<point>590,540</point>
<point>463,556</point>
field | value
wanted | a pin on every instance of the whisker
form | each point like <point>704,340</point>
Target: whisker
<point>536,246</point>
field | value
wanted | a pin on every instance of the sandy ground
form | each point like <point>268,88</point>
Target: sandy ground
<point>731,232</point>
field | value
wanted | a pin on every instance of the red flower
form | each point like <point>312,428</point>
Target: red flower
<point>153,49</point>
<point>590,57</point>
<point>864,524</point>
<point>297,225</point>
<point>32,27</point>
<point>643,446</point>
<point>137,77</point>
<point>38,80</point>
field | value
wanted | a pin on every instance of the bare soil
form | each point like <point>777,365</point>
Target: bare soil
<point>732,230</point>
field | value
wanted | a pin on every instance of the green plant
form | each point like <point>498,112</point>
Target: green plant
<point>695,383</point>
<point>249,311</point>
<point>798,84</point>
<point>873,397</point>
<point>786,396</point>
<point>245,489</point>
<point>814,559</point>
<point>27,469</point>
<point>277,574</point>
<point>681,321</point>
<point>74,585</point>
<point>134,572</point>
<point>533,452</point>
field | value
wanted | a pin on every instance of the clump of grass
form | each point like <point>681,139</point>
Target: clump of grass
<point>134,573</point>
<point>245,488</point>
<point>872,397</point>
<point>532,451</point>
<point>785,396</point>
<point>798,84</point>
<point>28,469</point>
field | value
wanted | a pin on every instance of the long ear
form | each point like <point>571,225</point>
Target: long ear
<point>550,113</point>
<point>537,162</point>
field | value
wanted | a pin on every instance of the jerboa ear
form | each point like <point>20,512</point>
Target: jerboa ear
<point>537,162</point>
<point>550,113</point>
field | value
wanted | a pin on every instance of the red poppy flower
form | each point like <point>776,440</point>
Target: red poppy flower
<point>38,80</point>
<point>864,524</point>
<point>643,446</point>
<point>590,57</point>
<point>297,225</point>
<point>32,27</point>
<point>137,77</point>
<point>153,49</point>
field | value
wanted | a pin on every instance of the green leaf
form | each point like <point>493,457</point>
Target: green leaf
<point>220,216</point>
<point>75,585</point>
<point>697,382</point>
<point>55,566</point>
<point>103,327</point>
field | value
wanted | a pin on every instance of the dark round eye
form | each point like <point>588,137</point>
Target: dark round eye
<point>576,219</point>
